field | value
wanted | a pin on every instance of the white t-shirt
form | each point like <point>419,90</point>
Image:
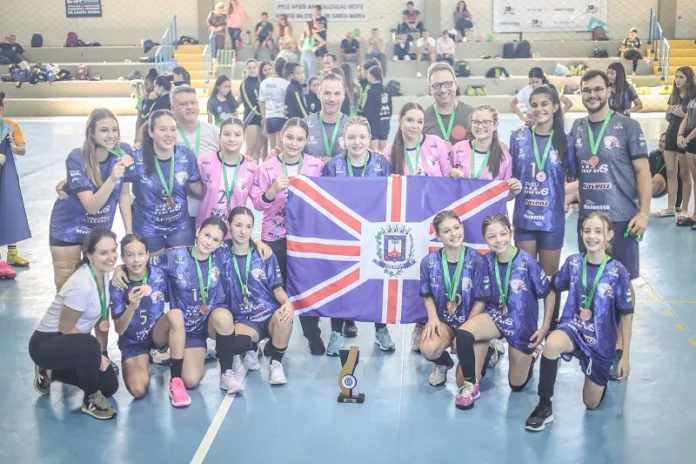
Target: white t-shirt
<point>478,161</point>
<point>210,143</point>
<point>272,93</point>
<point>293,169</point>
<point>80,294</point>
<point>523,96</point>
<point>428,45</point>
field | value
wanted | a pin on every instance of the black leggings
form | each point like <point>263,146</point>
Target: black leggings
<point>235,35</point>
<point>337,324</point>
<point>635,56</point>
<point>310,324</point>
<point>74,359</point>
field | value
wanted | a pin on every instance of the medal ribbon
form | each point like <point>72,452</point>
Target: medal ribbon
<point>330,146</point>
<point>285,167</point>
<point>413,169</point>
<point>446,134</point>
<point>168,188</point>
<point>203,290</point>
<point>350,166</point>
<point>229,189</point>
<point>541,162</point>
<point>477,175</point>
<point>102,294</point>
<point>589,297</point>
<point>244,283</point>
<point>185,139</point>
<point>504,287</point>
<point>452,286</point>
<point>594,144</point>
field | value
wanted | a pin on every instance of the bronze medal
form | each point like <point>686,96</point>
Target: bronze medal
<point>451,307</point>
<point>594,161</point>
<point>170,202</point>
<point>145,290</point>
<point>505,311</point>
<point>540,176</point>
<point>104,326</point>
<point>586,314</point>
<point>449,146</point>
<point>204,309</point>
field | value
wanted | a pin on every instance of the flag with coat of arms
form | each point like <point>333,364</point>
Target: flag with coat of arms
<point>355,244</point>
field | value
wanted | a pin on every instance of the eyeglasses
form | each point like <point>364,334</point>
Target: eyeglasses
<point>587,91</point>
<point>485,123</point>
<point>439,85</point>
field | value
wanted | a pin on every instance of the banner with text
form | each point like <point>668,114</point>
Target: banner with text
<point>83,8</point>
<point>300,10</point>
<point>548,15</point>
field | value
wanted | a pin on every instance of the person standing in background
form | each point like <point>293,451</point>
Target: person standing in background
<point>236,20</point>
<point>217,20</point>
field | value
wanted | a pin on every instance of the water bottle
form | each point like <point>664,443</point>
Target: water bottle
<point>248,38</point>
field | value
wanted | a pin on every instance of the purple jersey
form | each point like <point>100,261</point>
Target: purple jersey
<point>149,311</point>
<point>474,285</point>
<point>264,278</point>
<point>595,338</point>
<point>528,283</point>
<point>540,205</point>
<point>70,222</point>
<point>184,289</point>
<point>152,217</point>
<point>376,166</point>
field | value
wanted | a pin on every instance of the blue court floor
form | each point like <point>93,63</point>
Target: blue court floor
<point>648,418</point>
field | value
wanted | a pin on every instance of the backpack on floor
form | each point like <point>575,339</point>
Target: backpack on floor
<point>72,39</point>
<point>598,33</point>
<point>600,53</point>
<point>463,69</point>
<point>393,88</point>
<point>476,91</point>
<point>497,72</point>
<point>509,50</point>
<point>523,49</point>
<point>82,73</point>
<point>36,41</point>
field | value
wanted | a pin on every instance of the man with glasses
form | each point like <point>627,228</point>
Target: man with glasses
<point>447,118</point>
<point>613,171</point>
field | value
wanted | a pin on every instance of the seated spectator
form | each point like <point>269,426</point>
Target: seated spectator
<point>287,46</point>
<point>217,22</point>
<point>375,49</point>
<point>424,46</point>
<point>350,51</point>
<point>328,62</point>
<point>411,20</point>
<point>12,51</point>
<point>181,76</point>
<point>264,35</point>
<point>462,20</point>
<point>402,48</point>
<point>444,45</point>
<point>631,49</point>
<point>320,26</point>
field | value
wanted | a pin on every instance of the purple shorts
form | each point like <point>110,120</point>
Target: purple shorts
<point>592,368</point>
<point>623,249</point>
<point>544,240</point>
<point>261,327</point>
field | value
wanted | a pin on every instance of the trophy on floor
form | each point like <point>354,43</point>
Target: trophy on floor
<point>347,381</point>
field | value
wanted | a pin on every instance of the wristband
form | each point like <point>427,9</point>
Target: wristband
<point>105,354</point>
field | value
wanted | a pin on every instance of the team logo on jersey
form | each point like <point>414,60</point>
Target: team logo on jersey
<point>611,142</point>
<point>157,296</point>
<point>518,286</point>
<point>258,274</point>
<point>431,160</point>
<point>619,126</point>
<point>467,284</point>
<point>396,250</point>
<point>604,290</point>
<point>243,184</point>
<point>385,98</point>
<point>181,177</point>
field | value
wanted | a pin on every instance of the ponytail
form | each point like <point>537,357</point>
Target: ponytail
<point>496,158</point>
<point>148,142</point>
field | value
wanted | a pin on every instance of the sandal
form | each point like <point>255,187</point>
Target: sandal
<point>664,214</point>
<point>685,221</point>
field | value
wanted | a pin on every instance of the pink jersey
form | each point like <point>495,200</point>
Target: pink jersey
<point>214,199</point>
<point>434,159</point>
<point>461,159</point>
<point>273,226</point>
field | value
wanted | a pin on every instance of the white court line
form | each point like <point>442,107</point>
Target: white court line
<point>214,428</point>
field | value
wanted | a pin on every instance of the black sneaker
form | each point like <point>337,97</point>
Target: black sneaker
<point>350,330</point>
<point>316,346</point>
<point>541,416</point>
<point>97,406</point>
<point>42,384</point>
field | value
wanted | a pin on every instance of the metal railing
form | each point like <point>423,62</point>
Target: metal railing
<point>659,47</point>
<point>208,60</point>
<point>164,58</point>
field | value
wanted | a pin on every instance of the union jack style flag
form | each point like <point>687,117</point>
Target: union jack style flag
<point>355,245</point>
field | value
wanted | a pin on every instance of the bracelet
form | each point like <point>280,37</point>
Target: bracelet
<point>646,217</point>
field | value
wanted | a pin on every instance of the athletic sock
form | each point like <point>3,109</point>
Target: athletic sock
<point>225,348</point>
<point>275,353</point>
<point>548,369</point>
<point>465,353</point>
<point>444,360</point>
<point>176,367</point>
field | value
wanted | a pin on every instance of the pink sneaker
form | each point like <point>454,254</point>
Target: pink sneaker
<point>6,271</point>
<point>178,394</point>
<point>468,393</point>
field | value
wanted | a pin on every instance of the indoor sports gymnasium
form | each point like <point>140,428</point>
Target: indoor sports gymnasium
<point>383,232</point>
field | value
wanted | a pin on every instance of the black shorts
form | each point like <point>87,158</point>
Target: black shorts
<point>623,249</point>
<point>274,125</point>
<point>691,146</point>
<point>671,139</point>
<point>255,120</point>
<point>54,242</point>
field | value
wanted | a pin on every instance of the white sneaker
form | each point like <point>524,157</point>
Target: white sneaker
<point>251,360</point>
<point>160,357</point>
<point>395,58</point>
<point>419,75</point>
<point>277,374</point>
<point>499,345</point>
<point>439,375</point>
<point>498,351</point>
<point>230,382</point>
<point>416,337</point>
<point>407,58</point>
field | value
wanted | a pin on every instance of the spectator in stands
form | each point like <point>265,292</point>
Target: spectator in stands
<point>402,47</point>
<point>287,46</point>
<point>142,106</point>
<point>352,88</point>
<point>217,20</point>
<point>537,78</point>
<point>12,51</point>
<point>236,20</point>
<point>411,20</point>
<point>444,45</point>
<point>424,46</point>
<point>350,51</point>
<point>320,26</point>
<point>328,62</point>
<point>283,24</point>
<point>181,76</point>
<point>631,49</point>
<point>462,20</point>
<point>159,97</point>
<point>264,35</point>
<point>623,98</point>
<point>375,49</point>
<point>309,43</point>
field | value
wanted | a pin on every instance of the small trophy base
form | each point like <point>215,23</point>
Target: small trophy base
<point>351,399</point>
